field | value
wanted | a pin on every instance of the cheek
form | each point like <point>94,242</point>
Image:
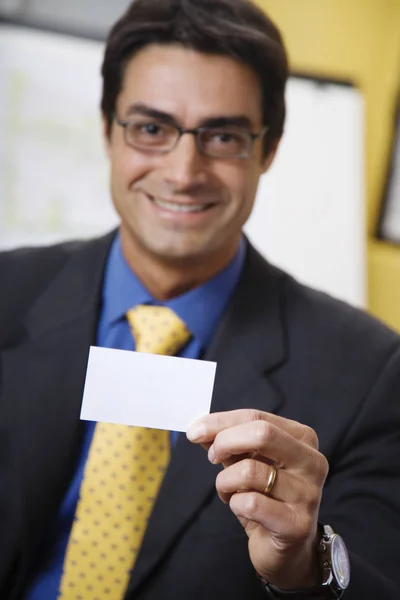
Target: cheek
<point>127,168</point>
<point>251,184</point>
<point>242,180</point>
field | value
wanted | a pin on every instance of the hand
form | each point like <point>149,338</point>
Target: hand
<point>282,527</point>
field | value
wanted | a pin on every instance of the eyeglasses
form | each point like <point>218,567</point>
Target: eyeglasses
<point>155,136</point>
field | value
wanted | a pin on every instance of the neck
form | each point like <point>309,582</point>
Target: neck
<point>166,279</point>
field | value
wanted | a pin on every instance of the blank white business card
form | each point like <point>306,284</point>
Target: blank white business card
<point>146,390</point>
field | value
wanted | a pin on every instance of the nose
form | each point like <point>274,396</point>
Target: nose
<point>184,166</point>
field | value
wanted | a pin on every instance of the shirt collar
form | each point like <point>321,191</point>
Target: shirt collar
<point>200,308</point>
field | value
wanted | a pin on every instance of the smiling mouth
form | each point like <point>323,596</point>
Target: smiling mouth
<point>179,207</point>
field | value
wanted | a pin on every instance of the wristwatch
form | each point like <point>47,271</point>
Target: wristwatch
<point>335,566</point>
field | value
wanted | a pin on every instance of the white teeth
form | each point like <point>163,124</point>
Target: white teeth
<point>172,206</point>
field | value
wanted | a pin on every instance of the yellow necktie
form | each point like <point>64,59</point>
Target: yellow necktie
<point>123,473</point>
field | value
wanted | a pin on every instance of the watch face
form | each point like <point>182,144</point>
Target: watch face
<point>340,562</point>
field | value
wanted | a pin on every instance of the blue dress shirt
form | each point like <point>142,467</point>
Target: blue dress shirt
<point>200,308</point>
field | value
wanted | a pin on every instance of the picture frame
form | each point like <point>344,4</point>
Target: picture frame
<point>389,221</point>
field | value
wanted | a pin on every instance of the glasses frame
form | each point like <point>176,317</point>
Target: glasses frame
<point>197,132</point>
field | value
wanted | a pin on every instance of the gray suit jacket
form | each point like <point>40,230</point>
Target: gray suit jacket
<point>280,347</point>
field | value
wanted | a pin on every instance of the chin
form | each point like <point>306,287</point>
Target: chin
<point>179,253</point>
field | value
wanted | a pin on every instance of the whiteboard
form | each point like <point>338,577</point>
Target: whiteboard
<point>53,169</point>
<point>309,216</point>
<point>309,211</point>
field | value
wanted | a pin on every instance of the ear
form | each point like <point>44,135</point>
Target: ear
<point>269,159</point>
<point>106,135</point>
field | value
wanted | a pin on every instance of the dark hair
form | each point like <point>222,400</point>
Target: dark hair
<point>236,28</point>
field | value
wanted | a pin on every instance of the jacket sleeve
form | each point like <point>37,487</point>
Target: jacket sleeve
<point>361,499</point>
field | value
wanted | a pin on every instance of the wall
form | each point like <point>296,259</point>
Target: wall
<point>91,17</point>
<point>357,40</point>
<point>352,39</point>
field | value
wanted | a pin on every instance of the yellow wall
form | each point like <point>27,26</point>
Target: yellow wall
<point>357,40</point>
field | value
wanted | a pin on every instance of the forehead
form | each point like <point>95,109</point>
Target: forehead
<point>190,85</point>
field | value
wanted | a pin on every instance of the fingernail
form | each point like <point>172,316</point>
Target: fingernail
<point>196,432</point>
<point>211,455</point>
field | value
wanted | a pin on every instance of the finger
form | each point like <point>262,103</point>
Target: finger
<point>206,428</point>
<point>206,446</point>
<point>277,518</point>
<point>262,439</point>
<point>253,475</point>
<point>274,516</point>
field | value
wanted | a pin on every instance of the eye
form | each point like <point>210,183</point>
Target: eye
<point>151,129</point>
<point>224,137</point>
<point>224,143</point>
<point>149,133</point>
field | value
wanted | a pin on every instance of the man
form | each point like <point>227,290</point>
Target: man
<point>193,110</point>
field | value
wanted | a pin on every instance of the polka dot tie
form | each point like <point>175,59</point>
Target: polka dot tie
<point>123,473</point>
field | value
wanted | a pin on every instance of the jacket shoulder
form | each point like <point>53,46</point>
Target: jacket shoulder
<point>316,320</point>
<point>337,355</point>
<point>25,273</point>
<point>334,322</point>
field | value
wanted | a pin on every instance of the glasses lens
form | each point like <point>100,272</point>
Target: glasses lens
<point>151,135</point>
<point>225,143</point>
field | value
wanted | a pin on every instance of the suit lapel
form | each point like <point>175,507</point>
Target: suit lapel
<point>43,378</point>
<point>248,343</point>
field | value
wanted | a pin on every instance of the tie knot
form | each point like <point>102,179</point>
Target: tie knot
<point>157,329</point>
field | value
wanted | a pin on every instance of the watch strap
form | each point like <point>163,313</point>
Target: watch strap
<point>315,593</point>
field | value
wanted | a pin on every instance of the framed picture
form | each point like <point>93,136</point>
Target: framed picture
<point>389,225</point>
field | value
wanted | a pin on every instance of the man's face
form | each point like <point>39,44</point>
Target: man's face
<point>183,207</point>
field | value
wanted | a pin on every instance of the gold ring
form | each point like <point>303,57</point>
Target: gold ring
<point>270,481</point>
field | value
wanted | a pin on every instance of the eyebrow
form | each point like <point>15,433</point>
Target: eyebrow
<point>241,121</point>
